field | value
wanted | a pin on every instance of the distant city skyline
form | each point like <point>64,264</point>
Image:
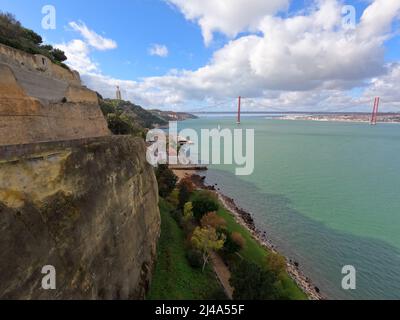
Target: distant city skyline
<point>188,55</point>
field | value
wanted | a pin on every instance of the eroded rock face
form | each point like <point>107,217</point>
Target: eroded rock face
<point>88,208</point>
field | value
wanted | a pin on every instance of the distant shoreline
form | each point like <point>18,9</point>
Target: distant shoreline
<point>346,118</point>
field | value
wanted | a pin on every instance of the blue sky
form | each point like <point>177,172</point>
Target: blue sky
<point>135,25</point>
<point>192,73</point>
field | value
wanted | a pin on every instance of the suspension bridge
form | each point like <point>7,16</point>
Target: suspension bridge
<point>242,102</point>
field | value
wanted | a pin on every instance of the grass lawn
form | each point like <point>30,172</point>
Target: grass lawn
<point>174,278</point>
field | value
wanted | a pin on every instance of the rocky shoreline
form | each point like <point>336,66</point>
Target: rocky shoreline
<point>245,219</point>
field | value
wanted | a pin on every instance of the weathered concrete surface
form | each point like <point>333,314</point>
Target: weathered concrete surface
<point>28,118</point>
<point>37,64</point>
<point>89,209</point>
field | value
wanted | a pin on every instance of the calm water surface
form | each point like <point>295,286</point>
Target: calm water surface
<point>327,194</point>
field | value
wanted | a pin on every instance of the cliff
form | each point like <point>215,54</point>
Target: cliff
<point>71,195</point>
<point>89,208</point>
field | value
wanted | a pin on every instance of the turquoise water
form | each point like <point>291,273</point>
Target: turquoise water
<point>327,194</point>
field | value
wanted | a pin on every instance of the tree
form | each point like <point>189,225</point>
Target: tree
<point>234,243</point>
<point>119,125</point>
<point>166,180</point>
<point>238,239</point>
<point>276,264</point>
<point>13,34</point>
<point>253,283</point>
<point>206,240</point>
<point>188,211</point>
<point>184,195</point>
<point>188,183</point>
<point>32,36</point>
<point>205,202</point>
<point>212,220</point>
<point>59,55</point>
<point>186,189</point>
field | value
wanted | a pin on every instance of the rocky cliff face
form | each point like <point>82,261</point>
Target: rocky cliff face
<point>89,208</point>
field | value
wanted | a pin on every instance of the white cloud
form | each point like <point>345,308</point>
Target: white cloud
<point>158,50</point>
<point>77,52</point>
<point>92,38</point>
<point>386,87</point>
<point>305,62</point>
<point>229,17</point>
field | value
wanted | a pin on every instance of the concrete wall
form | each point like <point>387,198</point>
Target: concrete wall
<point>35,107</point>
<point>34,63</point>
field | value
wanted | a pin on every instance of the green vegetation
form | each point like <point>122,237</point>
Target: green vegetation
<point>13,34</point>
<point>128,116</point>
<point>206,240</point>
<point>253,252</point>
<point>203,203</point>
<point>174,278</point>
<point>252,282</point>
<point>195,224</point>
<point>166,180</point>
<point>124,117</point>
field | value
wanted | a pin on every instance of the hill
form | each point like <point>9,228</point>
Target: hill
<point>124,117</point>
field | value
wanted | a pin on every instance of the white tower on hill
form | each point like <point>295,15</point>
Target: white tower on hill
<point>119,97</point>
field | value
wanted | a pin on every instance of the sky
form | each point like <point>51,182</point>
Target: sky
<point>200,55</point>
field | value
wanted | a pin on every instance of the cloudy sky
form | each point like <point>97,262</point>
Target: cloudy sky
<point>200,55</point>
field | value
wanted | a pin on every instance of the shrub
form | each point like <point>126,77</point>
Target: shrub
<point>188,211</point>
<point>119,124</point>
<point>238,239</point>
<point>166,180</point>
<point>173,198</point>
<point>230,246</point>
<point>213,220</point>
<point>184,195</point>
<point>253,283</point>
<point>188,228</point>
<point>195,258</point>
<point>276,264</point>
<point>205,202</point>
<point>13,34</point>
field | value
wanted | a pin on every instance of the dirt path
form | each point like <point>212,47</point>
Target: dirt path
<point>223,273</point>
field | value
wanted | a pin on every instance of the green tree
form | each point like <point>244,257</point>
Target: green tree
<point>204,203</point>
<point>119,124</point>
<point>234,243</point>
<point>13,34</point>
<point>253,283</point>
<point>206,240</point>
<point>188,212</point>
<point>166,180</point>
<point>59,55</point>
<point>184,195</point>
<point>276,264</point>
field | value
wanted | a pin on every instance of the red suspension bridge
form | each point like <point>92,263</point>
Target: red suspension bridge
<point>373,119</point>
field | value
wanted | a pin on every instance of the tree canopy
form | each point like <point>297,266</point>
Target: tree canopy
<point>253,283</point>
<point>13,34</point>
